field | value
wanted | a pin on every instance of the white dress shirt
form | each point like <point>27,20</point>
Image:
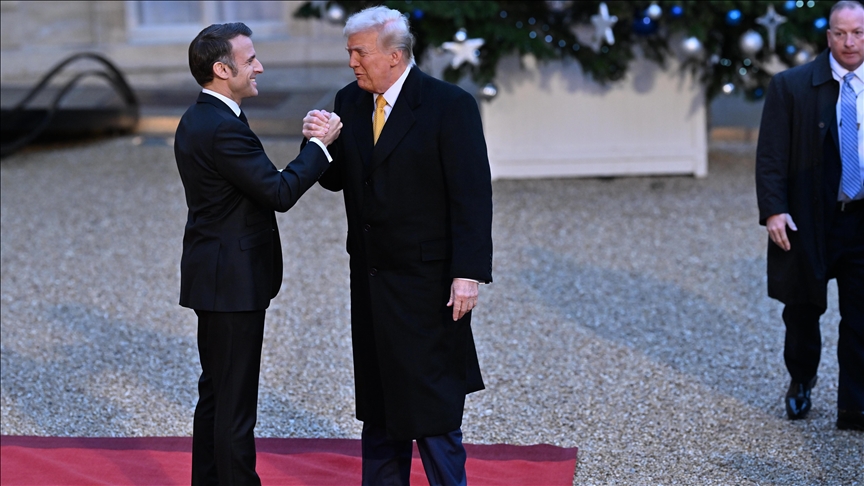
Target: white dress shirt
<point>857,84</point>
<point>236,109</point>
<point>228,101</point>
<point>390,95</point>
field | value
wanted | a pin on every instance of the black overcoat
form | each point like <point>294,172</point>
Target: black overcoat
<point>232,256</point>
<point>419,209</point>
<point>798,172</point>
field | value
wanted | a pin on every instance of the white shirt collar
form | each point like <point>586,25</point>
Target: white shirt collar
<point>839,71</point>
<point>393,92</point>
<point>228,101</point>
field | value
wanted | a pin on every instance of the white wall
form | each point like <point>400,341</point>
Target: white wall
<point>551,121</point>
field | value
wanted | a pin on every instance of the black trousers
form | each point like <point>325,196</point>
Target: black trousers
<point>223,442</point>
<point>845,245</point>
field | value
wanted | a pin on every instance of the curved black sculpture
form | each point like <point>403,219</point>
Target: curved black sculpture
<point>21,125</point>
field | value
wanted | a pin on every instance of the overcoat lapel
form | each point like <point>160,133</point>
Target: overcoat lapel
<point>363,127</point>
<point>829,90</point>
<point>400,121</point>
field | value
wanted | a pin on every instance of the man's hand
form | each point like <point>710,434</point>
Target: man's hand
<point>776,226</point>
<point>334,128</point>
<point>463,297</point>
<point>316,124</point>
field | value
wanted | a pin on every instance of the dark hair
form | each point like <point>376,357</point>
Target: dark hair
<point>212,45</point>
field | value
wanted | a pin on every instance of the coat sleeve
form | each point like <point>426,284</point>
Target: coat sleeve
<point>773,151</point>
<point>241,160</point>
<point>333,179</point>
<point>469,189</point>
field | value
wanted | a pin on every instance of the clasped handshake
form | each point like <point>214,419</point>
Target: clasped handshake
<point>322,125</point>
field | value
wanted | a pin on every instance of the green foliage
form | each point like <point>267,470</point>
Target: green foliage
<point>507,28</point>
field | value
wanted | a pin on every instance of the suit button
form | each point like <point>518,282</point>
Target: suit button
<point>368,182</point>
<point>821,124</point>
<point>373,271</point>
<point>366,227</point>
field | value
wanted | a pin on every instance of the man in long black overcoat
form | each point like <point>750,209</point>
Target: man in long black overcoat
<point>816,228</point>
<point>412,165</point>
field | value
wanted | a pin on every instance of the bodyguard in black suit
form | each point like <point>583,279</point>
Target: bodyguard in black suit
<point>808,180</point>
<point>413,169</point>
<point>232,262</point>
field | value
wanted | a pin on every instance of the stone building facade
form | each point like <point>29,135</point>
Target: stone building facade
<point>148,40</point>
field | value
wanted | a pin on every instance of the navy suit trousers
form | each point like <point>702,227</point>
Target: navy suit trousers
<point>387,462</point>
<point>845,258</point>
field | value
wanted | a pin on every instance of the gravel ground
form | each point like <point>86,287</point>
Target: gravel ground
<point>628,318</point>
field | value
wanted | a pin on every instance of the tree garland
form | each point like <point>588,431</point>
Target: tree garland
<point>725,44</point>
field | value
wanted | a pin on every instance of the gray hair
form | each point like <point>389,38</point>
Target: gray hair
<point>844,4</point>
<point>392,26</point>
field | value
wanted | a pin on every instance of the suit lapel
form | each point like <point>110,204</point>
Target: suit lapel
<point>399,122</point>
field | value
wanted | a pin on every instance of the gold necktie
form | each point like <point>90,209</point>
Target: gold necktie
<point>378,121</point>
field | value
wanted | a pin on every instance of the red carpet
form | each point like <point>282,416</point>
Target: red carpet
<point>166,461</point>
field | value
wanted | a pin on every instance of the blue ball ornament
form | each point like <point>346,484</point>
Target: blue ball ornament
<point>790,49</point>
<point>644,26</point>
<point>418,14</point>
<point>789,6</point>
<point>758,93</point>
<point>676,11</point>
<point>733,17</point>
<point>820,23</point>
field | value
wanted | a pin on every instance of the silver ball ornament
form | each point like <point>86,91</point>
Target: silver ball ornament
<point>803,56</point>
<point>751,42</point>
<point>728,88</point>
<point>654,12</point>
<point>489,91</point>
<point>336,14</point>
<point>559,5</point>
<point>691,46</point>
<point>460,35</point>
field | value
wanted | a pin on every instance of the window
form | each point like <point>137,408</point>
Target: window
<point>155,14</point>
<point>154,21</point>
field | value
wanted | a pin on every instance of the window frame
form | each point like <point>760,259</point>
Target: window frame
<point>172,33</point>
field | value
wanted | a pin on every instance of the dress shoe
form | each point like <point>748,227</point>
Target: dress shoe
<point>850,420</point>
<point>798,399</point>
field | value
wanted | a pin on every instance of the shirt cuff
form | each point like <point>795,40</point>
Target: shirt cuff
<point>468,280</point>
<point>323,147</point>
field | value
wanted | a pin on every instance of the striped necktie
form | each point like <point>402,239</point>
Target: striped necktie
<point>850,181</point>
<point>378,121</point>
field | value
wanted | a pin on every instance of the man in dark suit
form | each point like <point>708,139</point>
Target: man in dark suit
<point>414,172</point>
<point>232,262</point>
<point>808,181</point>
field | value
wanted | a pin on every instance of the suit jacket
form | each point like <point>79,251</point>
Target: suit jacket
<point>232,256</point>
<point>419,208</point>
<point>798,172</point>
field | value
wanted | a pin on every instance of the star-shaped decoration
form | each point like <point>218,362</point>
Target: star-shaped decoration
<point>771,21</point>
<point>603,23</point>
<point>464,51</point>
